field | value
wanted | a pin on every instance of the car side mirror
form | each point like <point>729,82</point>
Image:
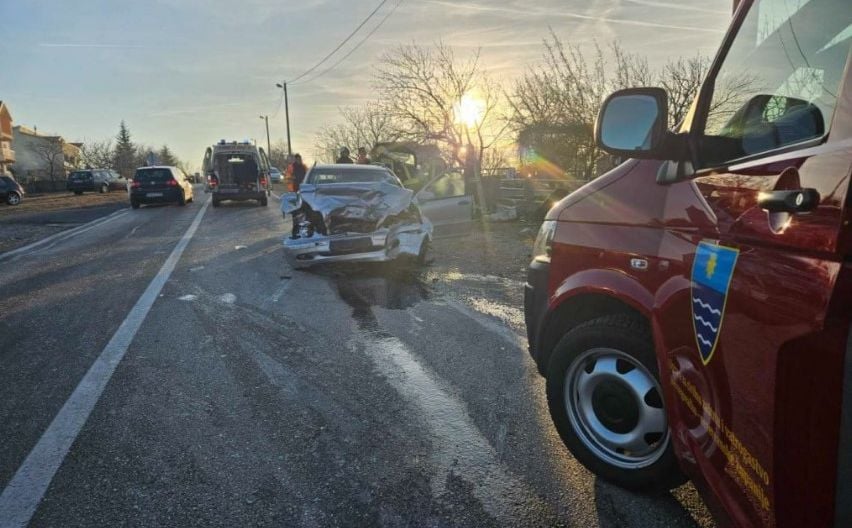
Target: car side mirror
<point>634,123</point>
<point>290,202</point>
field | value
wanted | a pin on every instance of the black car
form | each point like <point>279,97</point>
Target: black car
<point>101,180</point>
<point>159,185</point>
<point>10,190</point>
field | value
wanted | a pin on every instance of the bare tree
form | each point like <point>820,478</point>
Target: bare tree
<point>554,106</point>
<point>50,151</point>
<point>97,154</point>
<point>362,126</point>
<point>426,89</point>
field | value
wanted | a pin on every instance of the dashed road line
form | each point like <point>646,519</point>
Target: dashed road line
<point>24,492</point>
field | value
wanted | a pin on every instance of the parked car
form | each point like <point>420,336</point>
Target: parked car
<point>237,172</point>
<point>11,191</point>
<point>275,175</point>
<point>153,185</point>
<point>363,213</point>
<point>691,309</point>
<point>91,180</point>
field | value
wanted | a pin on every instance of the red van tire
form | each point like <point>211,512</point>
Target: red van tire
<point>605,400</point>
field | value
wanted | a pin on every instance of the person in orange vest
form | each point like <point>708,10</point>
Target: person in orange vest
<point>295,174</point>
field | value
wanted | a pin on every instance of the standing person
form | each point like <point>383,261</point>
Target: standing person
<point>297,170</point>
<point>344,156</point>
<point>362,159</point>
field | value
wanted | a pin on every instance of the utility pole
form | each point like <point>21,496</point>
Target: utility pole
<point>268,147</point>
<point>283,86</point>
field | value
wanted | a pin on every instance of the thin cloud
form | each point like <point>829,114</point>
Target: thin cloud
<point>563,14</point>
<point>71,45</point>
<point>681,7</point>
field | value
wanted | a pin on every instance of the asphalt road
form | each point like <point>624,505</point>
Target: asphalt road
<point>250,394</point>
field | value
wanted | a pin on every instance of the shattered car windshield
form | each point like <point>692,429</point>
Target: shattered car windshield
<point>325,176</point>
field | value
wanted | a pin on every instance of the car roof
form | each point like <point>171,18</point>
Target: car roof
<point>350,166</point>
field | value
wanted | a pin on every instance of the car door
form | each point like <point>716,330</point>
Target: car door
<point>5,187</point>
<point>755,353</point>
<point>444,202</point>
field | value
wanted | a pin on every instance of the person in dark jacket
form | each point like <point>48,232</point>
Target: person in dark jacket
<point>344,156</point>
<point>296,172</point>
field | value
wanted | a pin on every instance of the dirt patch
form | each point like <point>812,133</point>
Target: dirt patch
<point>55,202</point>
<point>17,235</point>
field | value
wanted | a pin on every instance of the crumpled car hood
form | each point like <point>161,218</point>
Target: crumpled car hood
<point>364,204</point>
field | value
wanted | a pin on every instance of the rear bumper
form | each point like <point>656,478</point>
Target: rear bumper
<point>143,197</point>
<point>80,187</point>
<point>221,195</point>
<point>535,305</point>
<point>385,245</point>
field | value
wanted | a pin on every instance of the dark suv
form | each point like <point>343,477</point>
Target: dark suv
<point>10,190</point>
<point>101,180</point>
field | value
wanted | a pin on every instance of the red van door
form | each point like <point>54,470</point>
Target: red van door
<point>756,354</point>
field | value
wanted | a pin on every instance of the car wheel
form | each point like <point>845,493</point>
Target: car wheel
<point>134,204</point>
<point>215,202</point>
<point>263,201</point>
<point>13,198</point>
<point>605,399</point>
<point>181,200</point>
<point>78,193</point>
<point>103,189</point>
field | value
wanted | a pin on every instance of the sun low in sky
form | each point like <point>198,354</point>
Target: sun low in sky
<point>191,72</point>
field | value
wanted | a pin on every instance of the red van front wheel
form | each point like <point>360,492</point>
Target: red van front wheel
<point>605,399</point>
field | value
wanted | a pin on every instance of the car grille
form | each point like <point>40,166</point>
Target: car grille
<point>340,226</point>
<point>350,245</point>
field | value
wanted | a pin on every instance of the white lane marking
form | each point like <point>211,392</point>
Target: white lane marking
<point>63,235</point>
<point>281,290</point>
<point>490,324</point>
<point>458,447</point>
<point>228,298</point>
<point>276,196</point>
<point>23,493</point>
<point>187,297</point>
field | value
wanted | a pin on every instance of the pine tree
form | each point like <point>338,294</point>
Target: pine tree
<point>124,152</point>
<point>166,157</point>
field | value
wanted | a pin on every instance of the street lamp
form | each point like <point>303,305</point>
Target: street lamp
<point>283,86</point>
<point>268,148</point>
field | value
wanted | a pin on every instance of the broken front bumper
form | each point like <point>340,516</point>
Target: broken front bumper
<point>380,246</point>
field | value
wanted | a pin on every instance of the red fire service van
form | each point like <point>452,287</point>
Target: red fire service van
<point>691,308</point>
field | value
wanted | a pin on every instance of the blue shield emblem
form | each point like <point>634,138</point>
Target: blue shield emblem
<point>711,277</point>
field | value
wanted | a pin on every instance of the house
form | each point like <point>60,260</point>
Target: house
<point>43,160</point>
<point>7,155</point>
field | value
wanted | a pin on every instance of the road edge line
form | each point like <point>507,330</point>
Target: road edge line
<point>67,232</point>
<point>24,492</point>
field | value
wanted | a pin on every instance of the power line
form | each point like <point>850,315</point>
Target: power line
<point>335,50</point>
<point>358,45</point>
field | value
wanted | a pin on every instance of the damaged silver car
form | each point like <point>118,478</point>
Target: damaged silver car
<point>353,213</point>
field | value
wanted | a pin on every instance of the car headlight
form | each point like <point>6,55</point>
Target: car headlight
<point>541,248</point>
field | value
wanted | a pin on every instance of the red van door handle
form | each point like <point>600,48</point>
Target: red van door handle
<point>797,201</point>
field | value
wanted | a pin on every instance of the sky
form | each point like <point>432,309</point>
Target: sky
<point>190,72</point>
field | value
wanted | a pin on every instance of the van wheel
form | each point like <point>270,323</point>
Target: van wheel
<point>13,198</point>
<point>215,202</point>
<point>605,399</point>
<point>134,204</point>
<point>103,189</point>
<point>263,201</point>
<point>182,199</point>
<point>424,252</point>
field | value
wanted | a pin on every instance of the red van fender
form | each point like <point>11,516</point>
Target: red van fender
<point>610,282</point>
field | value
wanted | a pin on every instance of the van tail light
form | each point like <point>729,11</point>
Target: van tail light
<point>135,185</point>
<point>263,181</point>
<point>172,183</point>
